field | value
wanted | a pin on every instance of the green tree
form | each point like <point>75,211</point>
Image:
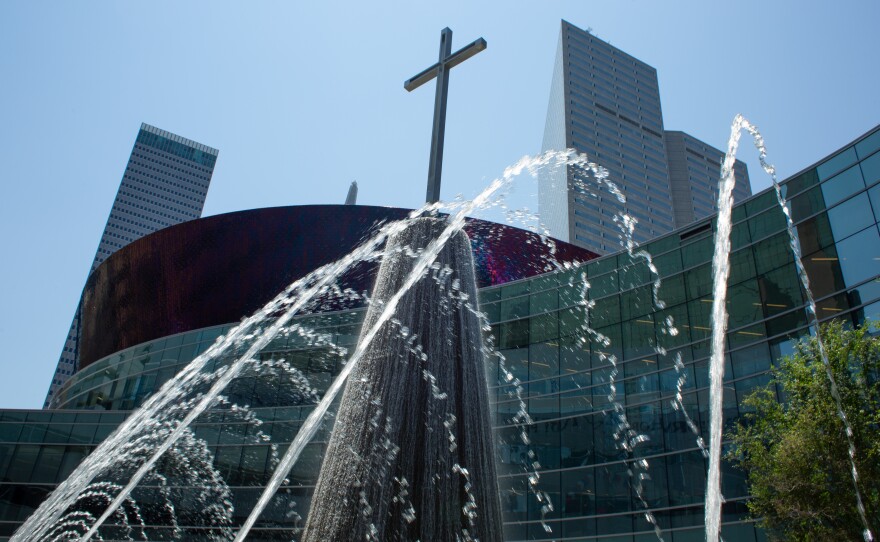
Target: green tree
<point>793,447</point>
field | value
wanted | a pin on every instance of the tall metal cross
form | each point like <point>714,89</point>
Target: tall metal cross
<point>440,70</point>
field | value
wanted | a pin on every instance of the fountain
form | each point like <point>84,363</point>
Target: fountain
<point>411,456</point>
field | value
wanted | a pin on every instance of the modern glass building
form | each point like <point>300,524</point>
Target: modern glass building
<point>606,104</point>
<point>567,377</point>
<point>165,183</point>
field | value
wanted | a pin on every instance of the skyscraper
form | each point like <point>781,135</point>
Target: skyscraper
<point>165,183</point>
<point>694,168</point>
<point>606,104</point>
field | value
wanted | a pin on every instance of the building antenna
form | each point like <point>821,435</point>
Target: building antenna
<point>351,198</point>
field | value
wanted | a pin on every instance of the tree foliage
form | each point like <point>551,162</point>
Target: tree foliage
<point>793,445</point>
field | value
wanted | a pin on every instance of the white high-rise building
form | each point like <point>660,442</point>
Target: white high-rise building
<point>165,183</point>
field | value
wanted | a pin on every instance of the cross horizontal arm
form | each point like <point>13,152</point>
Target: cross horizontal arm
<point>451,61</point>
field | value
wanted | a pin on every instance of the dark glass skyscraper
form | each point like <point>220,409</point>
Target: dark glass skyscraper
<point>606,104</point>
<point>165,183</point>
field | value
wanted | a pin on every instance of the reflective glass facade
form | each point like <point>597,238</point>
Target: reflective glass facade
<point>566,383</point>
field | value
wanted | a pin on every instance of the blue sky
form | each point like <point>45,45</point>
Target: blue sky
<point>301,98</point>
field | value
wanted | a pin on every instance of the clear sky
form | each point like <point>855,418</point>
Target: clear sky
<point>301,98</point>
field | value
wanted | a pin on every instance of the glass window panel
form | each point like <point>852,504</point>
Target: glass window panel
<point>734,481</point>
<point>253,464</point>
<point>637,302</point>
<point>602,266</point>
<point>697,252</point>
<point>871,169</point>
<point>10,415</point>
<point>544,362</point>
<point>699,281</point>
<point>842,186</point>
<point>868,145</point>
<point>832,306</point>
<point>515,495</point>
<point>791,323</point>
<point>102,432</point>
<point>874,195</point>
<point>604,312</point>
<point>544,282</point>
<point>638,338</point>
<point>851,216</point>
<point>870,312</point>
<point>6,453</point>
<point>760,202</point>
<point>544,301</point>
<point>655,491</point>
<point>489,295</point>
<point>668,264</point>
<point>514,290</point>
<point>823,269</point>
<point>766,223</point>
<point>678,317</point>
<point>815,234</point>
<point>32,432</point>
<point>577,401</point>
<point>22,463</point>
<point>644,387</point>
<point>227,460</point>
<point>571,321</point>
<point>699,324</point>
<point>613,495</point>
<point>800,183</point>
<point>516,362</point>
<point>742,532</point>
<point>740,236</point>
<point>742,266</point>
<point>672,290</point>
<point>46,468</point>
<point>550,484</point>
<point>664,244</point>
<point>73,456</point>
<point>806,204</point>
<point>743,304</point>
<point>57,433</point>
<point>579,490</point>
<point>514,308</point>
<point>772,253</point>
<point>9,432</point>
<point>836,163</point>
<point>859,256</point>
<point>545,436</point>
<point>603,285</point>
<point>780,290</point>
<point>747,335</point>
<point>544,327</point>
<point>514,334</point>
<point>573,292</point>
<point>492,310</point>
<point>633,271</point>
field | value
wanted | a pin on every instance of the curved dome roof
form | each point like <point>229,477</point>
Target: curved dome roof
<point>219,269</point>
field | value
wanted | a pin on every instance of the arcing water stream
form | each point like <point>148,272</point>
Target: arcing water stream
<point>721,270</point>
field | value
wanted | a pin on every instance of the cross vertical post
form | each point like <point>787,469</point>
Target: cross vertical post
<point>440,70</point>
<point>438,132</point>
